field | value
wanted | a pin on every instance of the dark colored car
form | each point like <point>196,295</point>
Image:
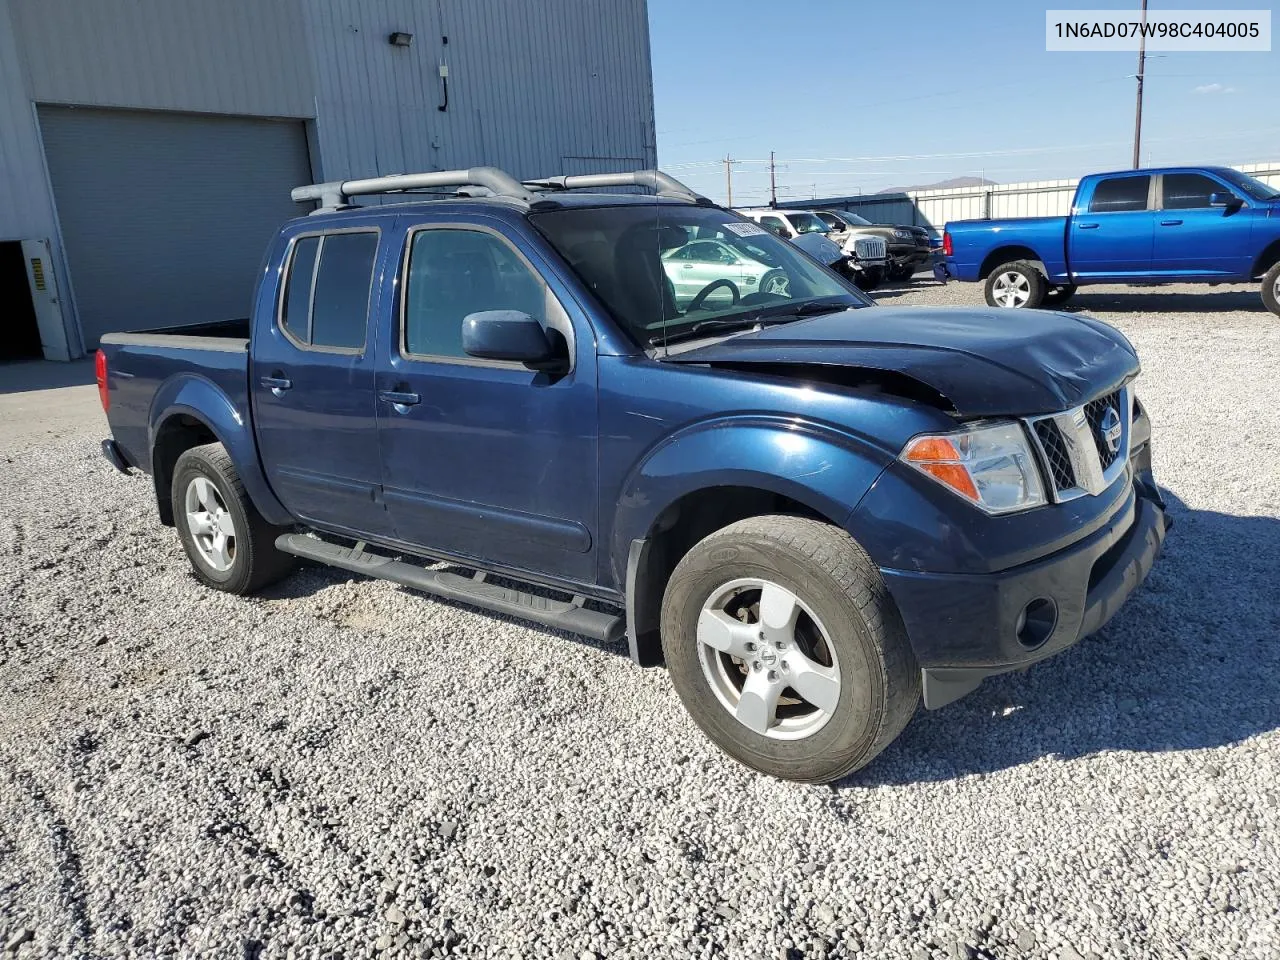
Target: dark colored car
<point>811,508</point>
<point>909,246</point>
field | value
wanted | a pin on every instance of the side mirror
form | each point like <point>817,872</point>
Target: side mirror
<point>1224,200</point>
<point>506,335</point>
<point>785,234</point>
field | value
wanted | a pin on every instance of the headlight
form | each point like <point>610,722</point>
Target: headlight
<point>990,465</point>
<point>902,234</point>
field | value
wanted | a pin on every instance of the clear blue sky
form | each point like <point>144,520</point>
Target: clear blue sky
<point>964,88</point>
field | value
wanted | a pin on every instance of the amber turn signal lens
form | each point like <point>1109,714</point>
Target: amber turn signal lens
<point>938,457</point>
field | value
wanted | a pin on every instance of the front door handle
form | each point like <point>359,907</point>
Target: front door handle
<point>277,384</point>
<point>1170,223</point>
<point>1087,226</point>
<point>400,400</point>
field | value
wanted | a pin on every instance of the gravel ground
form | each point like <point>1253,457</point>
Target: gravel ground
<point>341,767</point>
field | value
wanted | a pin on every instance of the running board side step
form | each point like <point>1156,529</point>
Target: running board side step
<point>569,615</point>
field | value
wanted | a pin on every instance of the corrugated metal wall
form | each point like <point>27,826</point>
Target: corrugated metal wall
<point>25,210</point>
<point>936,208</point>
<point>534,88</point>
<point>556,86</point>
<point>233,56</point>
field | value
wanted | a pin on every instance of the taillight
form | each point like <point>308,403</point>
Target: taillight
<point>100,371</point>
<point>946,244</point>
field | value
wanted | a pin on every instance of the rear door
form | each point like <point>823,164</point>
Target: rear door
<point>1112,237</point>
<point>486,459</point>
<point>1194,239</point>
<point>312,377</point>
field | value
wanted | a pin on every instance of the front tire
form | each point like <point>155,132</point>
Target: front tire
<point>786,649</point>
<point>1271,289</point>
<point>1017,285</point>
<point>230,546</point>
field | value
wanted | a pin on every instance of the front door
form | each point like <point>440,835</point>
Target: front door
<point>1113,237</point>
<point>1195,239</point>
<point>486,459</point>
<point>312,378</point>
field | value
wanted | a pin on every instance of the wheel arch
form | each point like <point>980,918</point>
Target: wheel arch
<point>1008,254</point>
<point>190,412</point>
<point>1267,259</point>
<point>718,475</point>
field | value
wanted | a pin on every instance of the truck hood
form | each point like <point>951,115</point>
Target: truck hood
<point>982,362</point>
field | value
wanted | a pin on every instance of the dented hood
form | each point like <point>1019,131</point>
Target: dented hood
<point>986,362</point>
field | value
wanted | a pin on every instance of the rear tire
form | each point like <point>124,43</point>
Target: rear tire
<point>230,546</point>
<point>1271,289</point>
<point>1015,285</point>
<point>841,636</point>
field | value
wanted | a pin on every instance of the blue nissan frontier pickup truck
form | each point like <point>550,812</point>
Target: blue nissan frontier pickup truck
<point>1175,225</point>
<point>812,509</point>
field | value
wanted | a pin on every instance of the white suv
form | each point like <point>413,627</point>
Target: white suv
<point>869,253</point>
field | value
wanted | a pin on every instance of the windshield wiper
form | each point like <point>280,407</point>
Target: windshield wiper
<point>780,313</point>
<point>723,323</point>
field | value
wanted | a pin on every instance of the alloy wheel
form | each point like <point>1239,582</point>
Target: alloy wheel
<point>768,659</point>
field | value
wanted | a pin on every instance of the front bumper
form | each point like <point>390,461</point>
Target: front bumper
<point>964,628</point>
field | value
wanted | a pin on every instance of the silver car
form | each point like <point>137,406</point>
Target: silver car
<point>701,264</point>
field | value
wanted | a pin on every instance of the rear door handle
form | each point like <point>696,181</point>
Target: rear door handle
<point>399,399</point>
<point>277,385</point>
<point>1170,223</point>
<point>1087,226</point>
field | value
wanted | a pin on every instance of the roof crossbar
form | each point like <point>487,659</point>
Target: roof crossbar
<point>335,193</point>
<point>660,183</point>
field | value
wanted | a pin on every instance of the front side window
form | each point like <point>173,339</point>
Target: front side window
<point>667,271</point>
<point>326,300</point>
<point>1120,195</point>
<point>454,272</point>
<point>1189,191</point>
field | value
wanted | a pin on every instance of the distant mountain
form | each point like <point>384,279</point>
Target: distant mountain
<point>943,185</point>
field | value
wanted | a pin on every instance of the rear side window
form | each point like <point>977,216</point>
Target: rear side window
<point>455,272</point>
<point>1120,194</point>
<point>326,301</point>
<point>1187,191</point>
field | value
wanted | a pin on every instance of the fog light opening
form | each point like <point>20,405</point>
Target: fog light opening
<point>1036,622</point>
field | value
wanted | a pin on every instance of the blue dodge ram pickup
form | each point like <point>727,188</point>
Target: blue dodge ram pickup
<point>812,509</point>
<point>1183,225</point>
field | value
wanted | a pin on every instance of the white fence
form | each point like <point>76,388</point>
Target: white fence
<point>935,208</point>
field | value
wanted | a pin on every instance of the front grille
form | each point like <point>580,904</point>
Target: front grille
<point>870,248</point>
<point>1095,412</point>
<point>1076,451</point>
<point>1055,454</point>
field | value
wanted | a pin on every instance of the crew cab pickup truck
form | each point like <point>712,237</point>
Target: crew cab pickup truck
<point>809,507</point>
<point>1184,225</point>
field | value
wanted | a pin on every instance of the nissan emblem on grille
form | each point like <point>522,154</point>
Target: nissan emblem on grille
<point>1111,429</point>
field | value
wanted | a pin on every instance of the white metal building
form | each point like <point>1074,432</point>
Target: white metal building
<point>147,147</point>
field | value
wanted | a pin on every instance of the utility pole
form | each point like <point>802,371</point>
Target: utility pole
<point>1142,63</point>
<point>773,183</point>
<point>728,178</point>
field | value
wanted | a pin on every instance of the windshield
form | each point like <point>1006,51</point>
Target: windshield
<point>1253,187</point>
<point>853,219</point>
<point>806,222</point>
<point>663,269</point>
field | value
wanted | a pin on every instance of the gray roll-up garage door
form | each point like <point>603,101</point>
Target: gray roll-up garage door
<point>165,216</point>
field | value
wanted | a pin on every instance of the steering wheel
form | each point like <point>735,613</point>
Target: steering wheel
<point>700,298</point>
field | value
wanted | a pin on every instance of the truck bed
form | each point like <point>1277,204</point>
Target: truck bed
<point>150,372</point>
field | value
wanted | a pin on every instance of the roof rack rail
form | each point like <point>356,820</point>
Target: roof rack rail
<point>334,194</point>
<point>660,183</point>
